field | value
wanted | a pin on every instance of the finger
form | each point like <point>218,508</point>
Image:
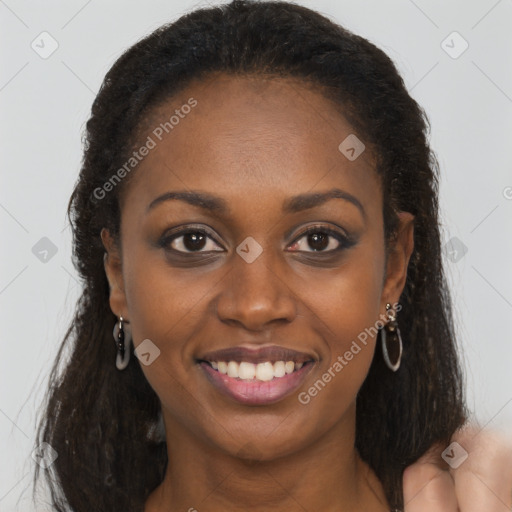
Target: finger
<point>428,488</point>
<point>484,480</point>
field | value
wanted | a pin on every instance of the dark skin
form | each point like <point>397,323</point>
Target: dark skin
<point>256,143</point>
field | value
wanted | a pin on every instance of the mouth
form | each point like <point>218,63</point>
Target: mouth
<point>256,376</point>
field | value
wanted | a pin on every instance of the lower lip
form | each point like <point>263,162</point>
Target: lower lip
<point>257,392</point>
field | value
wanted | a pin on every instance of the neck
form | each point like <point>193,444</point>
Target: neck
<point>327,475</point>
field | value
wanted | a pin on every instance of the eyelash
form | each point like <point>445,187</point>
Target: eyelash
<point>344,241</point>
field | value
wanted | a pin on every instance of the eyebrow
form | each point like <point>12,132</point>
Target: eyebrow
<point>294,204</point>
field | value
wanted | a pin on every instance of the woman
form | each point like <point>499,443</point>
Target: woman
<point>256,215</point>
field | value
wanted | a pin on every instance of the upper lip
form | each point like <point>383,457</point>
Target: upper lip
<point>257,355</point>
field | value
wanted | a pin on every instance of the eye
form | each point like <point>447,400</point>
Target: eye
<point>321,239</point>
<point>190,240</point>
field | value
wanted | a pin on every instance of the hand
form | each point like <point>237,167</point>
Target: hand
<point>481,483</point>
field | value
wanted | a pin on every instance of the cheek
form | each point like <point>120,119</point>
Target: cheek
<point>161,300</point>
<point>348,306</point>
<point>349,300</point>
<point>164,307</point>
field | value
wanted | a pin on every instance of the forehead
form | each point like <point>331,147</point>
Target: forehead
<point>255,135</point>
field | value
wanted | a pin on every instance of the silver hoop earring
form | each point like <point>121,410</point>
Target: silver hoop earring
<point>391,340</point>
<point>123,339</point>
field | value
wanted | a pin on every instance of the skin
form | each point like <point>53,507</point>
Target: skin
<point>256,143</point>
<point>483,481</point>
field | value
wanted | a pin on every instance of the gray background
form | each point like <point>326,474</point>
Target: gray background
<point>45,103</point>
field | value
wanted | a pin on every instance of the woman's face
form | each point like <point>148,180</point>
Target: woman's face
<point>265,154</point>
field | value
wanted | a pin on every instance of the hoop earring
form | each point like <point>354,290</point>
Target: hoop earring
<point>122,338</point>
<point>391,340</point>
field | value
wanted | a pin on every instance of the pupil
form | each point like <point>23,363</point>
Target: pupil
<point>318,241</point>
<point>193,241</point>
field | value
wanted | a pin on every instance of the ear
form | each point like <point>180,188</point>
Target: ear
<point>400,251</point>
<point>113,270</point>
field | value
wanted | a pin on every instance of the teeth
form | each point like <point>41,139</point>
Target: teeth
<point>289,366</point>
<point>232,369</point>
<point>246,370</point>
<point>279,369</point>
<point>265,371</point>
<point>262,371</point>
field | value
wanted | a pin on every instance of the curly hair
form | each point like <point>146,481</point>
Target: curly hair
<point>102,422</point>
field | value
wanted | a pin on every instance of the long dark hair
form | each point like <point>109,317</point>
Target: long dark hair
<point>101,421</point>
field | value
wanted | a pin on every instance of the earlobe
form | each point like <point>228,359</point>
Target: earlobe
<point>113,271</point>
<point>398,258</point>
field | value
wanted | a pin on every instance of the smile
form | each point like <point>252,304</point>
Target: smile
<point>256,376</point>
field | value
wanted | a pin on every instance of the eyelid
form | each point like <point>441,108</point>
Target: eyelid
<point>339,234</point>
<point>344,239</point>
<point>180,231</point>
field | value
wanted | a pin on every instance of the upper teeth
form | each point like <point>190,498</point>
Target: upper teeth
<point>261,371</point>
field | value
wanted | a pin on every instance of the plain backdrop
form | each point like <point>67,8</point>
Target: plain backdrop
<point>46,101</point>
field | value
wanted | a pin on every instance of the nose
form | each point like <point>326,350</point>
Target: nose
<point>256,294</point>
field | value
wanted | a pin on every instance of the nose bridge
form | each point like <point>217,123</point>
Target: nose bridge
<point>255,292</point>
